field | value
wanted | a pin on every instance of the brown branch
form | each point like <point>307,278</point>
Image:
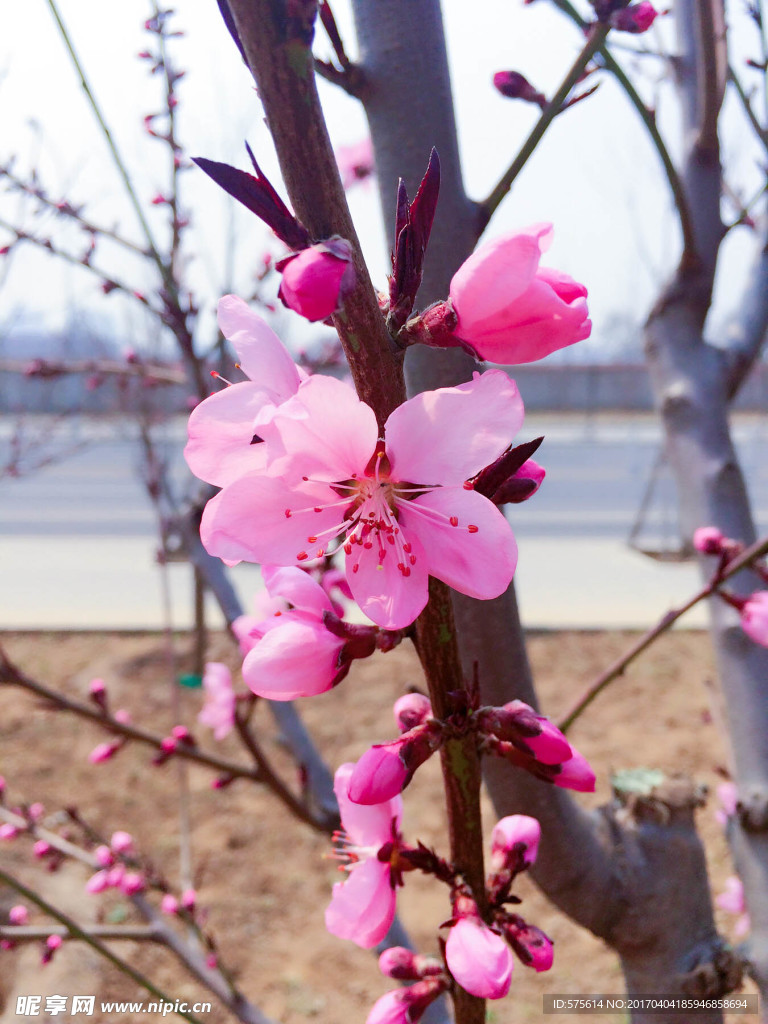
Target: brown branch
<point>744,560</point>
<point>160,373</point>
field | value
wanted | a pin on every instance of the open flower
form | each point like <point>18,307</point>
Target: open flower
<point>398,506</point>
<point>363,907</point>
<point>223,430</point>
<point>511,310</point>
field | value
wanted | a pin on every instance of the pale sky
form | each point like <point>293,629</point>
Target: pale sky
<point>595,176</point>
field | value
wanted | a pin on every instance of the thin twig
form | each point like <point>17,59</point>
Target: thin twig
<point>749,110</point>
<point>596,39</point>
<point>76,932</point>
<point>35,933</point>
<point>649,120</point>
<point>753,552</point>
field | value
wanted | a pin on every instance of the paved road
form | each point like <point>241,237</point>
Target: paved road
<point>77,536</point>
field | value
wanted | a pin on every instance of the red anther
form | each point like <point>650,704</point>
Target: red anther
<point>407,547</point>
<point>473,529</point>
<point>412,559</point>
<point>302,556</point>
<point>453,521</point>
<point>320,552</point>
<point>287,513</point>
<point>355,567</point>
<point>468,485</point>
<point>348,548</point>
<point>390,538</point>
<point>312,539</point>
<point>317,508</point>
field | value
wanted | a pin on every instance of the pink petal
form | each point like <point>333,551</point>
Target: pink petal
<point>297,587</point>
<point>449,435</point>
<point>479,959</point>
<point>496,274</point>
<point>515,828</point>
<point>220,433</point>
<point>362,908</point>
<point>388,597</point>
<point>379,775</point>
<point>311,283</point>
<point>294,660</point>
<point>391,1008</point>
<point>367,825</point>
<point>329,432</point>
<point>261,354</point>
<point>480,564</point>
<point>247,520</point>
<point>576,774</point>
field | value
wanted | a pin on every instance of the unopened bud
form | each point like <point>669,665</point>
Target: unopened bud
<point>515,86</point>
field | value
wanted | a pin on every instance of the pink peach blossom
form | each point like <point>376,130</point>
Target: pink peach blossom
<point>218,712</point>
<point>509,309</point>
<point>315,279</point>
<point>292,654</point>
<point>385,769</point>
<point>636,18</point>
<point>516,831</point>
<point>708,540</point>
<point>754,617</point>
<point>478,958</point>
<point>363,907</point>
<point>223,429</point>
<point>399,507</point>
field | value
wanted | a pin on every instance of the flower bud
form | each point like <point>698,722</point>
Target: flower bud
<point>132,882</point>
<point>708,540</point>
<point>515,86</point>
<point>754,617</point>
<point>386,768</point>
<point>315,280</point>
<point>103,856</point>
<point>477,957</point>
<point>514,841</point>
<point>636,18</point>
<point>531,945</point>
<point>121,842</point>
<point>18,914</point>
<point>517,723</point>
<point>8,831</point>
<point>41,849</point>
<point>169,904</point>
<point>97,883</point>
<point>410,710</point>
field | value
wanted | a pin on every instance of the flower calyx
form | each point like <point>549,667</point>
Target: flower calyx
<point>413,224</point>
<point>513,477</point>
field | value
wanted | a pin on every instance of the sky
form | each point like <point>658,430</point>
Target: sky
<point>595,176</point>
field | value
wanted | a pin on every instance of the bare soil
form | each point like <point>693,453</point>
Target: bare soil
<point>261,875</point>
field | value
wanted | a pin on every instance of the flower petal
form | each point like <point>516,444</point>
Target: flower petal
<point>496,274</point>
<point>385,594</point>
<point>481,562</point>
<point>247,520</point>
<point>363,907</point>
<point>261,354</point>
<point>325,429</point>
<point>297,587</point>
<point>479,959</point>
<point>220,433</point>
<point>297,659</point>
<point>449,435</point>
<point>366,825</point>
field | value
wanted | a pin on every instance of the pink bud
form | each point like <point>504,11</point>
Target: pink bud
<point>479,959</point>
<point>576,774</point>
<point>211,961</point>
<point>182,734</point>
<point>8,831</point>
<point>732,899</point>
<point>636,18</point>
<point>754,617</point>
<point>2,784</point>
<point>169,904</point>
<point>509,309</point>
<point>518,723</point>
<point>168,744</point>
<point>96,687</point>
<point>708,540</point>
<point>54,942</point>
<point>5,944</point>
<point>509,835</point>
<point>18,914</point>
<point>132,882</point>
<point>115,876</point>
<point>315,279</point>
<point>97,883</point>
<point>515,86</point>
<point>189,899</point>
<point>41,848</point>
<point>121,842</point>
<point>728,795</point>
<point>410,710</point>
<point>532,946</point>
<point>122,716</point>
<point>387,768</point>
<point>102,752</point>
<point>398,962</point>
<point>36,811</point>
<point>103,856</point>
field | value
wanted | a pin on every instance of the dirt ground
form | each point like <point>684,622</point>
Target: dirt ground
<point>261,876</point>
